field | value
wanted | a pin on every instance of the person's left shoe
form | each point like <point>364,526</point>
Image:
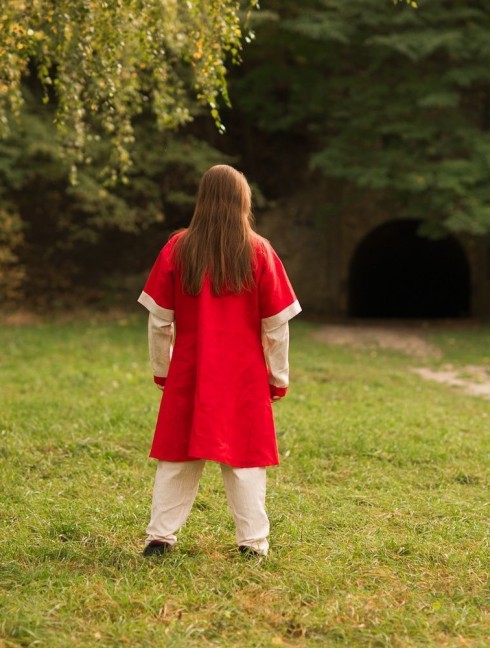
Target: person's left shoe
<point>156,548</point>
<point>250,552</point>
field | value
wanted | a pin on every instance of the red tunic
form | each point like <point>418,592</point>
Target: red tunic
<point>216,403</point>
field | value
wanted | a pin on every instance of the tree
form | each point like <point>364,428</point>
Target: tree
<point>391,102</point>
<point>65,241</point>
<point>103,63</point>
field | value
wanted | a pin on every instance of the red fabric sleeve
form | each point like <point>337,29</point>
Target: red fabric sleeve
<point>277,301</point>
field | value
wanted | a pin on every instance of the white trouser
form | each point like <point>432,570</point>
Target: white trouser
<point>176,484</point>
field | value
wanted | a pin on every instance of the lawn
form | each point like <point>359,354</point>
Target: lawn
<point>379,510</point>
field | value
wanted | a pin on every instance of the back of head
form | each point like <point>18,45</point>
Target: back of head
<point>218,240</point>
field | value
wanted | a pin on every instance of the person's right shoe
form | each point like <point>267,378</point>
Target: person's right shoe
<point>156,548</point>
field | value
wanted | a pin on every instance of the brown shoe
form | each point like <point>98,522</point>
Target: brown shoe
<point>156,548</point>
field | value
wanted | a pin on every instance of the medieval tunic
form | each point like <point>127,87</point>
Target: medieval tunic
<point>216,404</point>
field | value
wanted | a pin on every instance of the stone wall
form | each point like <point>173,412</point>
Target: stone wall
<point>317,242</point>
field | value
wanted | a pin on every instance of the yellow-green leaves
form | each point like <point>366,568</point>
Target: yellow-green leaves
<point>103,63</point>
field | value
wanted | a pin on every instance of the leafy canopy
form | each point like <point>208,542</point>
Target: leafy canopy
<point>104,62</point>
<point>392,101</point>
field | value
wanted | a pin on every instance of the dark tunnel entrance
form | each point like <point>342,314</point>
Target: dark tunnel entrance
<point>394,272</point>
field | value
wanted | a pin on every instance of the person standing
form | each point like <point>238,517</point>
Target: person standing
<point>219,303</point>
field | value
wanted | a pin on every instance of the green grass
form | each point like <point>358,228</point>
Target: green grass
<point>379,511</point>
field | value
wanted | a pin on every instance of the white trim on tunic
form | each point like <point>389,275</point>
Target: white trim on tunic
<point>163,313</point>
<point>272,322</point>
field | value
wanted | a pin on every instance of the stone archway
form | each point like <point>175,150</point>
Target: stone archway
<point>394,272</point>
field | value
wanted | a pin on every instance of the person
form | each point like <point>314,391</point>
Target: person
<point>219,302</point>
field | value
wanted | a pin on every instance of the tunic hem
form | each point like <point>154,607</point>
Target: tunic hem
<point>219,461</point>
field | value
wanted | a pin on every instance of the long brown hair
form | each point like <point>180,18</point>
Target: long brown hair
<point>219,237</point>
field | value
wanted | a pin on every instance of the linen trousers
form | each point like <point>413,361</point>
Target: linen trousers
<point>175,489</point>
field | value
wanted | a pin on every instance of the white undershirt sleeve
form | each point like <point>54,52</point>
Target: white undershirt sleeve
<point>160,344</point>
<point>276,349</point>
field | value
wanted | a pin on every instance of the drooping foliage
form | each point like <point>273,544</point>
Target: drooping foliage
<point>104,62</point>
<point>60,240</point>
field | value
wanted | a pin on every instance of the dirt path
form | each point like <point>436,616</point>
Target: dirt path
<point>400,338</point>
<point>472,379</point>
